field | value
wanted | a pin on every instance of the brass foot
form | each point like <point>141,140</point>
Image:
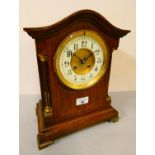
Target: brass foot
<point>115,119</point>
<point>108,98</point>
<point>44,145</point>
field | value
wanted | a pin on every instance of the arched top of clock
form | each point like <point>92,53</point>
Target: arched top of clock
<point>81,16</point>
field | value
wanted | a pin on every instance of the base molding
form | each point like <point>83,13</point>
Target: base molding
<point>47,135</point>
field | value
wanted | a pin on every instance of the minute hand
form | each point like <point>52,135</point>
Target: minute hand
<point>78,57</point>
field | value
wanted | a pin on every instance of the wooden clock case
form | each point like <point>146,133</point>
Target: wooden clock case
<point>57,112</point>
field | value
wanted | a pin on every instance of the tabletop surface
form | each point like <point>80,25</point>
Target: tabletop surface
<point>105,138</point>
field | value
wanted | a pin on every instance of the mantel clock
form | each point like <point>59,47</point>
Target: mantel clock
<point>74,60</point>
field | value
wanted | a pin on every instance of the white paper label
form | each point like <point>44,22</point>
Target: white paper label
<point>83,100</point>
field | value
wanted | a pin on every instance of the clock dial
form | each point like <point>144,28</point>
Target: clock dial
<point>81,59</point>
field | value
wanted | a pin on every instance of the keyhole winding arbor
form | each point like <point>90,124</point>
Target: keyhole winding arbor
<point>66,107</point>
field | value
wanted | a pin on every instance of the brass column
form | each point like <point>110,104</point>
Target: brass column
<point>47,107</point>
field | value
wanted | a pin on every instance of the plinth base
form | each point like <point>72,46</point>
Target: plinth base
<point>47,135</point>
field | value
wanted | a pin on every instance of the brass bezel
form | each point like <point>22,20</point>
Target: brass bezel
<point>73,35</point>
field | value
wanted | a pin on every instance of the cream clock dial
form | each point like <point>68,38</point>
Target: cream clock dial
<point>81,59</point>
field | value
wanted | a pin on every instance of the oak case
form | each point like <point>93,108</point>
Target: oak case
<point>57,112</point>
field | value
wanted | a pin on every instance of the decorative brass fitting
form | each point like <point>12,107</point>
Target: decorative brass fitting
<point>108,98</point>
<point>42,58</point>
<point>47,108</point>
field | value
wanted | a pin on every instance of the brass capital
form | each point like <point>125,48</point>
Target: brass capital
<point>42,58</point>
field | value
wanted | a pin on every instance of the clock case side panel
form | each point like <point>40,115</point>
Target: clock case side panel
<point>45,104</point>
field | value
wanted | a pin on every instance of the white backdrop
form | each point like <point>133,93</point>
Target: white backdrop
<point>36,13</point>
